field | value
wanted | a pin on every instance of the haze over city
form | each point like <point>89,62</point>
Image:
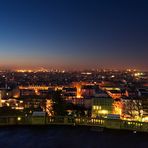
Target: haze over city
<point>74,34</point>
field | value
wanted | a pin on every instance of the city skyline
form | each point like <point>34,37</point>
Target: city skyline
<point>74,34</point>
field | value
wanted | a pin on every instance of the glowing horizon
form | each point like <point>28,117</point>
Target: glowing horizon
<point>74,35</point>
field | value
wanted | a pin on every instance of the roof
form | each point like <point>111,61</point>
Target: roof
<point>38,114</point>
<point>115,91</point>
<point>88,87</point>
<point>70,89</point>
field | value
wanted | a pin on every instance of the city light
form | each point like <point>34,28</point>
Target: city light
<point>69,68</point>
<point>19,118</point>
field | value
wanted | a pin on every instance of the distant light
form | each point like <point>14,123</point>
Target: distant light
<point>21,101</point>
<point>129,70</point>
<point>112,76</point>
<point>19,108</point>
<point>86,73</point>
<point>138,74</point>
<point>104,111</point>
<point>19,118</point>
<point>145,119</point>
<point>3,101</point>
<point>63,71</point>
<point>79,96</point>
<point>24,70</point>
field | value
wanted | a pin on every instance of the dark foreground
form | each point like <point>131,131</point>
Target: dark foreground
<point>69,137</point>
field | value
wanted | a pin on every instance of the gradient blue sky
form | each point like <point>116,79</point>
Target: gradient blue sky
<point>74,33</point>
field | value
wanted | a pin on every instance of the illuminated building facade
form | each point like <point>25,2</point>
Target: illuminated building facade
<point>102,105</point>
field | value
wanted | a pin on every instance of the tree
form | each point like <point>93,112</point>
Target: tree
<point>133,107</point>
<point>59,106</point>
<point>7,111</point>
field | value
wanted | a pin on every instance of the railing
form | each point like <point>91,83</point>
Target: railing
<point>14,120</point>
<point>79,121</point>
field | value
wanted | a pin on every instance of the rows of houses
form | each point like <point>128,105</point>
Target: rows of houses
<point>101,99</point>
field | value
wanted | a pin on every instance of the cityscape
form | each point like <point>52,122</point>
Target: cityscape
<point>112,94</point>
<point>73,73</point>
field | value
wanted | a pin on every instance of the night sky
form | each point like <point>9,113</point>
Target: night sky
<point>74,33</point>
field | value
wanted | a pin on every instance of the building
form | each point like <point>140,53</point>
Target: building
<point>115,94</point>
<point>133,107</point>
<point>88,91</point>
<point>69,92</point>
<point>102,104</point>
